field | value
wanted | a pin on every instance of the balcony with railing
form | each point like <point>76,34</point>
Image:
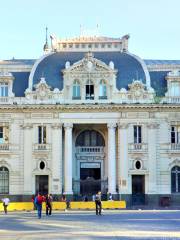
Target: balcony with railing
<point>41,147</point>
<point>137,147</point>
<point>175,146</point>
<point>90,150</point>
<point>6,148</point>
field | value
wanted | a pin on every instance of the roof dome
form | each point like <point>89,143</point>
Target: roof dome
<point>50,66</point>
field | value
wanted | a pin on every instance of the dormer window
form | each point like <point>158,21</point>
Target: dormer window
<point>89,90</point>
<point>76,94</point>
<point>3,89</point>
<point>102,90</point>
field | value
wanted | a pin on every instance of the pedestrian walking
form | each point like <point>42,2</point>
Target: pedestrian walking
<point>5,204</point>
<point>98,203</point>
<point>48,200</point>
<point>38,201</point>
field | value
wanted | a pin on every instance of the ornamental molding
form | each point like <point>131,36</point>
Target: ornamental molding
<point>27,126</point>
<point>56,126</point>
<point>111,125</point>
<point>24,108</point>
<point>42,93</point>
<point>153,125</point>
<point>4,163</point>
<point>137,93</point>
<point>68,125</point>
<point>89,64</point>
<point>175,162</point>
<point>123,125</point>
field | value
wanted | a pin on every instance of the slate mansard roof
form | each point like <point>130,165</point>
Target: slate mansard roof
<point>50,67</point>
<point>129,67</point>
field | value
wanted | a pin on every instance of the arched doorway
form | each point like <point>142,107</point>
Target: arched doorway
<point>90,155</point>
<point>175,179</point>
<point>4,180</point>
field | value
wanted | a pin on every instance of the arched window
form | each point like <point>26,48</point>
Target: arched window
<point>89,90</point>
<point>175,179</point>
<point>102,90</point>
<point>90,138</point>
<point>76,90</point>
<point>4,180</point>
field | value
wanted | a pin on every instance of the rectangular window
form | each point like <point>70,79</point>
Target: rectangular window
<point>76,92</point>
<point>42,134</point>
<point>1,135</point>
<point>137,134</point>
<point>175,134</point>
<point>90,92</point>
<point>3,89</point>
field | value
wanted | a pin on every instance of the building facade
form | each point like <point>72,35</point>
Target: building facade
<point>88,116</point>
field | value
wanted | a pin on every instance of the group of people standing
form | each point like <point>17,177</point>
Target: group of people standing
<point>38,201</point>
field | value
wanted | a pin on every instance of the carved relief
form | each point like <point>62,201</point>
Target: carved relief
<point>43,93</point>
<point>137,93</point>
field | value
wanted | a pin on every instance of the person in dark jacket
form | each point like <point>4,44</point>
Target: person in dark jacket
<point>48,200</point>
<point>98,203</point>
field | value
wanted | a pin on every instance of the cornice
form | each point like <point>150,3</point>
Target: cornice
<point>89,107</point>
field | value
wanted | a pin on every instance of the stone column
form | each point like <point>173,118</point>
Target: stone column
<point>122,158</point>
<point>68,159</point>
<point>27,158</point>
<point>111,158</point>
<point>152,157</point>
<point>57,158</point>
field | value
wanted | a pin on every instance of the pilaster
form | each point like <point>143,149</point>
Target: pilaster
<point>123,158</point>
<point>27,158</point>
<point>152,157</point>
<point>68,159</point>
<point>111,158</point>
<point>56,158</point>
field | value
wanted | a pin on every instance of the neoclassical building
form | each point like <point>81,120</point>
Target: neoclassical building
<point>89,115</point>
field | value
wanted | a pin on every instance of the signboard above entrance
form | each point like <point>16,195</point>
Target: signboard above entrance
<point>90,165</point>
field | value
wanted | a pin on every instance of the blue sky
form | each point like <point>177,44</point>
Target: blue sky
<point>153,25</point>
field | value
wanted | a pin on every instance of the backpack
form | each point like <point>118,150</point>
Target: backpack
<point>36,200</point>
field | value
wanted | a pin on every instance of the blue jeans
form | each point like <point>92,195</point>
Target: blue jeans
<point>39,209</point>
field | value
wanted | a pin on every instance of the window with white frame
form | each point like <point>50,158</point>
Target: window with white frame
<point>42,134</point>
<point>102,90</point>
<point>175,134</point>
<point>4,180</point>
<point>3,89</point>
<point>4,134</point>
<point>175,179</point>
<point>76,94</point>
<point>137,134</point>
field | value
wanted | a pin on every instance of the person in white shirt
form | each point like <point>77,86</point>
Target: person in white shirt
<point>5,204</point>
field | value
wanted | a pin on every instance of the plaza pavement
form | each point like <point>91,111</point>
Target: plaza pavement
<point>116,224</point>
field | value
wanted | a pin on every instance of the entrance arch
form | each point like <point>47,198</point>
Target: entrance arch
<point>90,155</point>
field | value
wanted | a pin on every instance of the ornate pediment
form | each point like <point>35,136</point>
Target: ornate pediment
<point>88,64</point>
<point>42,92</point>
<point>137,93</point>
<point>42,89</point>
<point>137,90</point>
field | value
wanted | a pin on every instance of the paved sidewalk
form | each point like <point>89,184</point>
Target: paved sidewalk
<point>116,224</point>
